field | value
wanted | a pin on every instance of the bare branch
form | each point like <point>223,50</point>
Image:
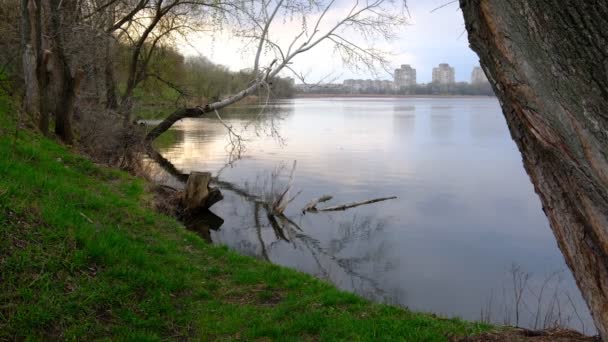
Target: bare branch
<point>263,38</point>
<point>356,204</point>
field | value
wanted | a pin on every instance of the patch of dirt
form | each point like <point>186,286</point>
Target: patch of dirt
<point>167,200</point>
<point>270,299</point>
<point>524,335</point>
<point>258,295</point>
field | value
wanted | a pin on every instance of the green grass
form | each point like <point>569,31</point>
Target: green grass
<point>83,257</point>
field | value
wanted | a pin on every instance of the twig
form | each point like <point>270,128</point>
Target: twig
<point>312,205</point>
<point>356,204</point>
<point>86,217</point>
<point>576,311</point>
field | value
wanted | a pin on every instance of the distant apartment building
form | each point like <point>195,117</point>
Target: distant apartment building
<point>478,76</point>
<point>405,76</point>
<point>444,74</point>
<point>327,88</point>
<point>365,86</point>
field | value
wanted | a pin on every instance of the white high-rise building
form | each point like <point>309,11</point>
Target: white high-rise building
<point>405,76</point>
<point>478,76</point>
<point>444,74</point>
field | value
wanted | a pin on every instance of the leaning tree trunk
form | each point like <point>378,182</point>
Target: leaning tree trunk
<point>548,62</point>
<point>197,112</point>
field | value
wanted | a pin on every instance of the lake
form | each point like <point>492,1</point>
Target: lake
<point>465,228</point>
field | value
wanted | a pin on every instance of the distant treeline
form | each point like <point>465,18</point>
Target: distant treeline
<point>461,88</point>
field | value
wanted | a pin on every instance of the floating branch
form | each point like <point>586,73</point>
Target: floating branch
<point>312,205</point>
<point>356,204</point>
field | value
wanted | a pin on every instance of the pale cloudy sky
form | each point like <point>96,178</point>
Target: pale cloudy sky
<point>429,39</point>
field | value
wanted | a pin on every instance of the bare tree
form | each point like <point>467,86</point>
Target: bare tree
<point>351,36</point>
<point>144,26</point>
<point>46,26</point>
<point>63,17</point>
<point>34,70</point>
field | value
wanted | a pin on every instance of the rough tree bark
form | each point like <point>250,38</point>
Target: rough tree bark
<point>198,195</point>
<point>35,62</point>
<point>109,79</point>
<point>28,51</point>
<point>62,19</point>
<point>548,62</point>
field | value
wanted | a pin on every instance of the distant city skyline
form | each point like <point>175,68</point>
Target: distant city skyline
<point>405,76</point>
<point>405,82</point>
<point>430,39</point>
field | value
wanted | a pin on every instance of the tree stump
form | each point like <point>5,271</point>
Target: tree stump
<point>198,195</point>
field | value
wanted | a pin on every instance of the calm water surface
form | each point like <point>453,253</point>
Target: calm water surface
<point>466,211</point>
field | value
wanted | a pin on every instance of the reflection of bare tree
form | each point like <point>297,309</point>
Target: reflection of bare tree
<point>329,266</point>
<point>535,303</point>
<point>343,271</point>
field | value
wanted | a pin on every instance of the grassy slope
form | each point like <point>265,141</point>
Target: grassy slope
<point>82,256</point>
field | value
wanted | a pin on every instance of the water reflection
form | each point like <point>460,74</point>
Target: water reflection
<point>333,260</point>
<point>466,209</point>
<point>442,125</point>
<point>203,223</point>
<point>404,123</point>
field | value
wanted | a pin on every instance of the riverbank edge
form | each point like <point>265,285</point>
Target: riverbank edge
<point>389,96</point>
<point>83,255</point>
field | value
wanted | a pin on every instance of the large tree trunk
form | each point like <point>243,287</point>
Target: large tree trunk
<point>548,62</point>
<point>110,82</point>
<point>35,58</point>
<point>62,18</point>
<point>28,55</point>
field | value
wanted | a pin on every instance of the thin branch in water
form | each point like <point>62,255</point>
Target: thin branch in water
<point>356,204</point>
<point>236,140</point>
<point>312,205</point>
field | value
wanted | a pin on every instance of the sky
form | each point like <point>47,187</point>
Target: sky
<point>429,38</point>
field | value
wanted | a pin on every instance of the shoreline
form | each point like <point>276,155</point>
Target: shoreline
<point>87,255</point>
<point>107,264</point>
<point>312,96</point>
